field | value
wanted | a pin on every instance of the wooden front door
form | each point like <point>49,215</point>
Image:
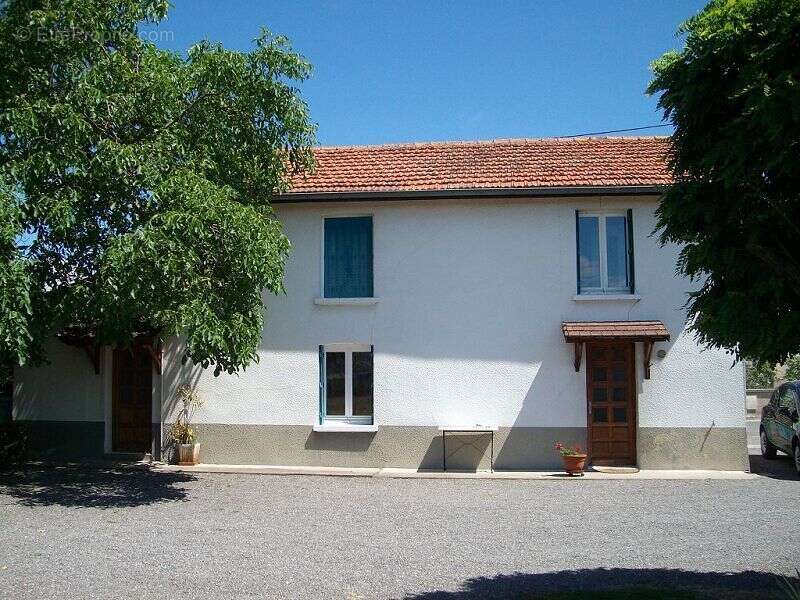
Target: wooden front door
<point>611,397</point>
<point>132,400</point>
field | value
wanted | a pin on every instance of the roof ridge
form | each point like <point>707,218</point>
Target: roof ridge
<point>489,142</point>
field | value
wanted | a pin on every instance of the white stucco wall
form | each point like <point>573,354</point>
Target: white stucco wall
<point>467,330</point>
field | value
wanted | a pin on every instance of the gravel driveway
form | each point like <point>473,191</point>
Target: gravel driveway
<point>125,532</point>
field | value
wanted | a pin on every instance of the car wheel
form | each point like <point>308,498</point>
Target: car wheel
<point>767,449</point>
<point>797,457</point>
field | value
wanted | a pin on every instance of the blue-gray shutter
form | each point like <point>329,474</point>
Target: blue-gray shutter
<point>321,384</point>
<point>348,257</point>
<point>632,277</point>
<point>578,248</point>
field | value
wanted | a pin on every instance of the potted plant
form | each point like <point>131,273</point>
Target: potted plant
<point>574,459</point>
<point>181,432</point>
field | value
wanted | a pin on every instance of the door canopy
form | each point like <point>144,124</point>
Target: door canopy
<point>647,332</point>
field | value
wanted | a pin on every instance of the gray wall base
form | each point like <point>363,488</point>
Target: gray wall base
<point>515,448</point>
<point>64,440</point>
<point>391,446</point>
<point>719,448</point>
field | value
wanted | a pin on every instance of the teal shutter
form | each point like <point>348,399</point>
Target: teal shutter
<point>348,257</point>
<point>578,248</point>
<point>372,351</point>
<point>631,277</point>
<point>321,384</point>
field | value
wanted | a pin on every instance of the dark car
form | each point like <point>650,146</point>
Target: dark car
<point>779,424</point>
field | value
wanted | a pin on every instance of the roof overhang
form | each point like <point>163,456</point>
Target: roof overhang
<point>648,332</point>
<point>532,192</point>
<point>86,339</point>
<point>628,331</point>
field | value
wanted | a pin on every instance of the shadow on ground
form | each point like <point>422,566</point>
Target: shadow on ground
<point>618,584</point>
<point>92,486</point>
<point>780,467</point>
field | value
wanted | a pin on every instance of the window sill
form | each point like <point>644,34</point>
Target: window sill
<point>607,297</point>
<point>344,428</point>
<point>346,301</point>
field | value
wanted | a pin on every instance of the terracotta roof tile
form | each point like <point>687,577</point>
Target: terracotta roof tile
<point>627,330</point>
<point>523,163</point>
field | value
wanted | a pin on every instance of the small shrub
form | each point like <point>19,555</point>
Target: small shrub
<point>181,431</point>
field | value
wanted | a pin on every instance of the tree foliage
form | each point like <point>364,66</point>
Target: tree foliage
<point>792,366</point>
<point>135,183</point>
<point>760,375</point>
<point>733,95</point>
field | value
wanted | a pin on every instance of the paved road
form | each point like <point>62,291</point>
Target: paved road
<point>129,533</point>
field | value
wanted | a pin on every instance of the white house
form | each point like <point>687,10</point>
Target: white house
<point>510,284</point>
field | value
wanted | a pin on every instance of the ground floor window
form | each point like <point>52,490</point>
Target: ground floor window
<point>346,382</point>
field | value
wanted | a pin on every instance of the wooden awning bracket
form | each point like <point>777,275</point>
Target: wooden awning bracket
<point>156,353</point>
<point>591,332</point>
<point>578,355</point>
<point>87,341</point>
<point>648,355</point>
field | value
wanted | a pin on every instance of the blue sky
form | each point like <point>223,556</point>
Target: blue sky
<point>457,70</point>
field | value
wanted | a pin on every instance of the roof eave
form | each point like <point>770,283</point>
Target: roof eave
<point>536,192</point>
<point>572,339</point>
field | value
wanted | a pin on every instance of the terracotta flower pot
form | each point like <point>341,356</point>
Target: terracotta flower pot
<point>188,454</point>
<point>574,463</point>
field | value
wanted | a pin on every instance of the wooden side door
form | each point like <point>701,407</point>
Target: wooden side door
<point>611,399</point>
<point>132,396</point>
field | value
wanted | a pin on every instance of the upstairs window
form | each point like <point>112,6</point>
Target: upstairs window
<point>605,253</point>
<point>346,383</point>
<point>347,257</point>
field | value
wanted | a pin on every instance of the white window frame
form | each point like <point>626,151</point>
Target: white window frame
<point>348,417</point>
<point>333,299</point>
<point>601,221</point>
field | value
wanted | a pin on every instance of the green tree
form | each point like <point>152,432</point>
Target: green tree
<point>792,365</point>
<point>733,95</point>
<point>135,183</point>
<point>760,375</point>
